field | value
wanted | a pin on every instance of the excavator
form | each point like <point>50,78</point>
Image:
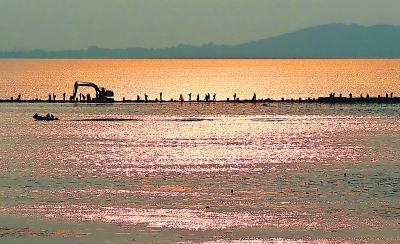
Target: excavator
<point>102,95</point>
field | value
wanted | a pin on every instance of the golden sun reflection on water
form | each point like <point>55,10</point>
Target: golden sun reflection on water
<point>267,78</point>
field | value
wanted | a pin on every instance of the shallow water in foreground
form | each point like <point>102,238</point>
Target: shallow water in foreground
<point>199,172</point>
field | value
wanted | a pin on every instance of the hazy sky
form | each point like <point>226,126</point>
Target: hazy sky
<point>77,24</point>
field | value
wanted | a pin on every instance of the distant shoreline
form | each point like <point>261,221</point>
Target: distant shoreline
<point>330,41</point>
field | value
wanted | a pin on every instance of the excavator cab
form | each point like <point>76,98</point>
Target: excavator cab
<point>104,95</point>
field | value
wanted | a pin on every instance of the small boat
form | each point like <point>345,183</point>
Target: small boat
<point>48,117</point>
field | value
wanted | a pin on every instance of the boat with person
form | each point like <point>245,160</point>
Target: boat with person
<point>48,117</point>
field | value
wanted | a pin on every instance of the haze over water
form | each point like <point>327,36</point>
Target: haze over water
<point>200,172</point>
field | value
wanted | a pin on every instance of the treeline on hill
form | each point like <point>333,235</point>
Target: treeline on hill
<point>180,51</point>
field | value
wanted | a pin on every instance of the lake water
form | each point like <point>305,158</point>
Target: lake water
<point>267,78</point>
<point>200,172</point>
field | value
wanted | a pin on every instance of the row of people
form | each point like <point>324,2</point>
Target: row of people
<point>207,97</point>
<point>333,95</point>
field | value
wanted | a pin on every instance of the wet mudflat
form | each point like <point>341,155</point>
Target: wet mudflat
<point>200,173</point>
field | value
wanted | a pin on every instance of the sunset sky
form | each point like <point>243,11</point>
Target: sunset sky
<point>77,24</point>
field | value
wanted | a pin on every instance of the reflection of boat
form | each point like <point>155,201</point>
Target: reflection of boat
<point>48,117</point>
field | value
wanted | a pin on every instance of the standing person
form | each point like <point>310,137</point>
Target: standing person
<point>198,97</point>
<point>64,96</point>
<point>160,96</point>
<point>234,97</point>
<point>190,96</point>
<point>181,97</point>
<point>214,96</point>
<point>254,96</point>
<point>146,97</point>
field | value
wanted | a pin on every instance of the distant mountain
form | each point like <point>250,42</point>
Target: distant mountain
<point>330,41</point>
<point>324,41</point>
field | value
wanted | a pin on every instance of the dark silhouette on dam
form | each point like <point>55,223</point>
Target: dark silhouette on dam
<point>102,95</point>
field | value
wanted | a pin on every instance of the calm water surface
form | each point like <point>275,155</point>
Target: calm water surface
<point>214,172</point>
<point>201,172</point>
